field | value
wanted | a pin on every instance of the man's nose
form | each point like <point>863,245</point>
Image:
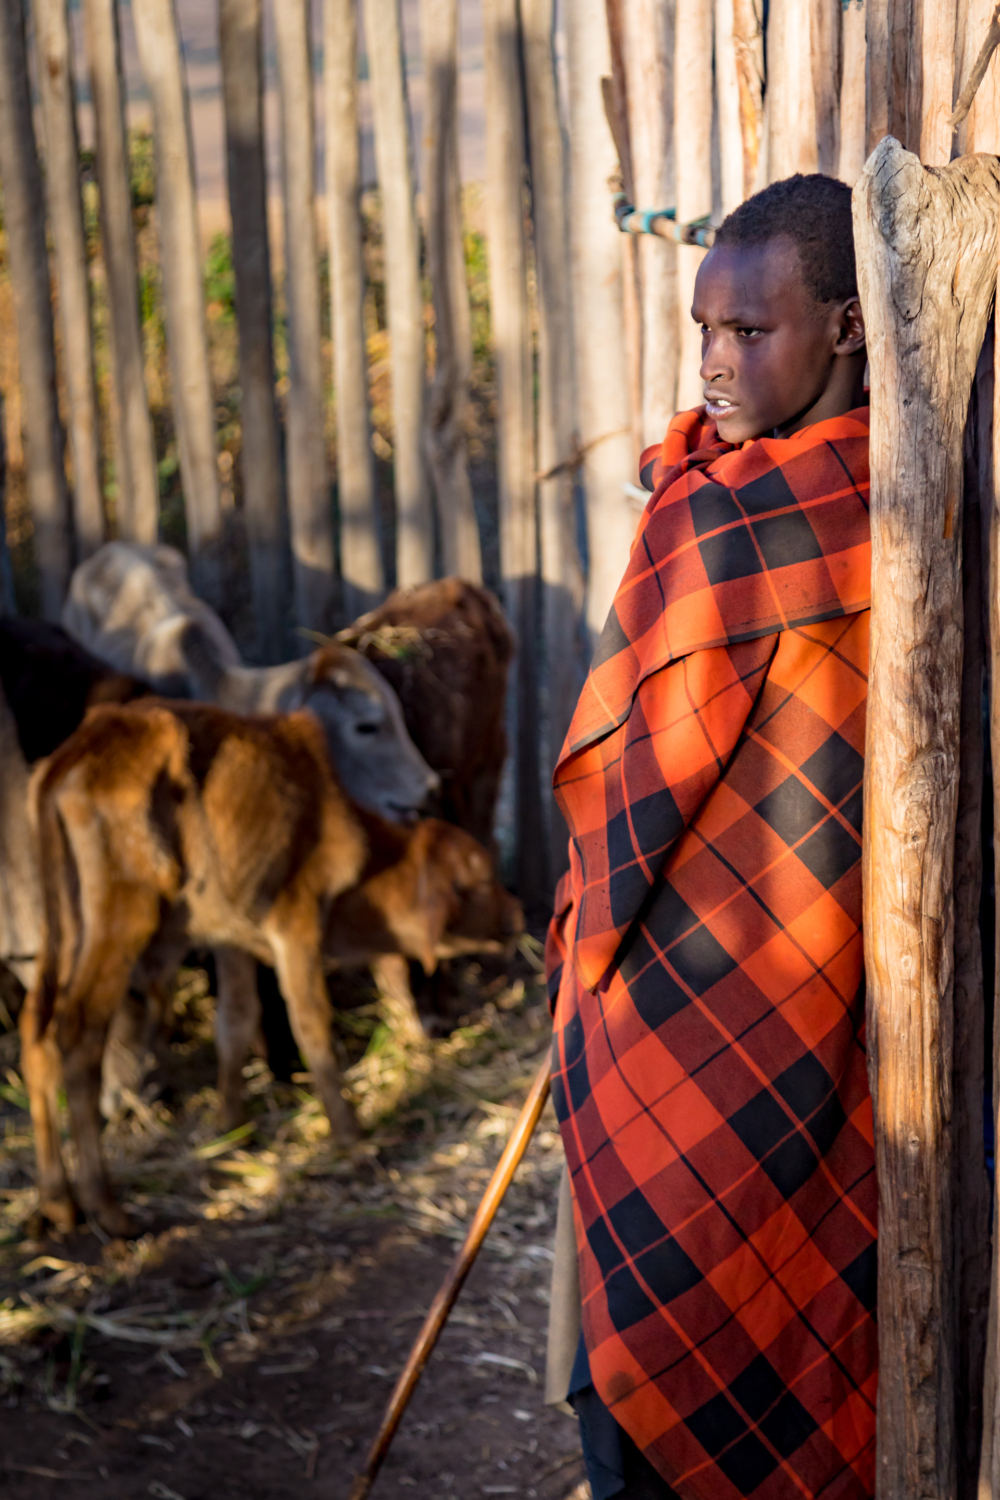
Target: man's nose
<point>714,365</point>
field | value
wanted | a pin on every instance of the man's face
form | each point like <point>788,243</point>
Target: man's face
<point>768,347</point>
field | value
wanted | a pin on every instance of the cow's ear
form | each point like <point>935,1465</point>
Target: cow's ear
<point>434,903</point>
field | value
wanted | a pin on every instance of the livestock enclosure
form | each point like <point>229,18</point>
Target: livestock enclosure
<point>373,369</point>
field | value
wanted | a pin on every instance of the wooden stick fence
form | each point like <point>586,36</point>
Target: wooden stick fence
<point>689,107</point>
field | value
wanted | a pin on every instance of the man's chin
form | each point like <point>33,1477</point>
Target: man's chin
<point>739,428</point>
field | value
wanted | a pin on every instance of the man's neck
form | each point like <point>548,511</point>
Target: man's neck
<point>843,392</point>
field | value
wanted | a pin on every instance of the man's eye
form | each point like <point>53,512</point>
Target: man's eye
<point>747,333</point>
<point>704,329</point>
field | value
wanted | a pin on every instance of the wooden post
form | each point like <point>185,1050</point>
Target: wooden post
<point>876,72</point>
<point>927,250</point>
<point>791,97</point>
<point>62,180</point>
<point>937,75</point>
<point>825,41</point>
<point>748,41</point>
<point>852,93</point>
<point>24,224</point>
<point>505,221</point>
<point>648,35</point>
<point>447,403</point>
<point>693,132</point>
<point>310,512</point>
<point>602,385</point>
<point>562,578</point>
<point>360,551</point>
<point>727,102</point>
<point>137,508</point>
<point>159,47</point>
<point>243,101</point>
<point>615,99</point>
<point>980,131</point>
<point>394,160</point>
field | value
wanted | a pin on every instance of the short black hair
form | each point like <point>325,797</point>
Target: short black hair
<point>815,213</point>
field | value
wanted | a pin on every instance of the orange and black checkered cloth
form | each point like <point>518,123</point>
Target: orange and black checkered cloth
<point>705,964</point>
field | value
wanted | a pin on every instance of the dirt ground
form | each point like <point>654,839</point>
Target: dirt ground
<point>245,1344</point>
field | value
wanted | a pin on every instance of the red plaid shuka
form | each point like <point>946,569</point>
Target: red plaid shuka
<point>706,966</point>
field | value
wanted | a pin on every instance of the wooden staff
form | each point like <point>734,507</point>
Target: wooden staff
<point>455,1280</point>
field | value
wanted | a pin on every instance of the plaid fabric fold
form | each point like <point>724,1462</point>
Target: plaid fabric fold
<point>706,971</point>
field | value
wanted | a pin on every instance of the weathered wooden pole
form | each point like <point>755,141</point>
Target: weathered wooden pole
<point>310,511</point>
<point>62,181</point>
<point>24,225</point>
<point>448,398</point>
<point>791,97</point>
<point>937,79</point>
<point>980,131</point>
<point>241,63</point>
<point>159,45</point>
<point>562,577</point>
<point>877,72</point>
<point>615,99</point>
<point>360,550</point>
<point>927,250</point>
<point>825,43</point>
<point>748,41</point>
<point>693,132</point>
<point>602,385</point>
<point>137,507</point>
<point>727,102</point>
<point>851,159</point>
<point>394,161</point>
<point>648,35</point>
<point>505,224</point>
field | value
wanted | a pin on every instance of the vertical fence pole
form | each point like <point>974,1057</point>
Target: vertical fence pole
<point>394,160</point>
<point>562,580</point>
<point>448,398</point>
<point>791,97</point>
<point>825,44</point>
<point>693,132</point>
<point>937,77</point>
<point>62,180</point>
<point>137,506</point>
<point>241,63</point>
<point>851,159</point>
<point>24,223</point>
<point>159,47</point>
<point>748,40</point>
<point>310,512</point>
<point>980,131</point>
<point>927,250</point>
<point>505,219</point>
<point>602,386</point>
<point>727,100</point>
<point>877,69</point>
<point>360,548</point>
<point>648,37</point>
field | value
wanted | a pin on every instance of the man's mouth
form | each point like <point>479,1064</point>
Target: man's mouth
<point>717,405</point>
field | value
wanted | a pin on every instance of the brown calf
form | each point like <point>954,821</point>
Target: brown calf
<point>445,647</point>
<point>161,825</point>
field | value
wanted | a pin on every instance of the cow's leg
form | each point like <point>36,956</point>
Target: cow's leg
<point>391,973</point>
<point>127,1056</point>
<point>237,1019</point>
<point>100,982</point>
<point>42,1074</point>
<point>300,975</point>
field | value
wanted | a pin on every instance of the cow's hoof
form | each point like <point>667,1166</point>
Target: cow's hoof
<point>115,1222</point>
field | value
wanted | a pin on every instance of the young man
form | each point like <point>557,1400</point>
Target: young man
<point>705,958</point>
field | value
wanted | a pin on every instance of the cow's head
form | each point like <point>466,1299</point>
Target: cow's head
<point>377,762</point>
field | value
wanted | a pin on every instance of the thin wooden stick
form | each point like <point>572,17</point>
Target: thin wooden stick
<point>454,1281</point>
<point>986,51</point>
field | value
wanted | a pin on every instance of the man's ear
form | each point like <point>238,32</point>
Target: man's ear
<point>851,338</point>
